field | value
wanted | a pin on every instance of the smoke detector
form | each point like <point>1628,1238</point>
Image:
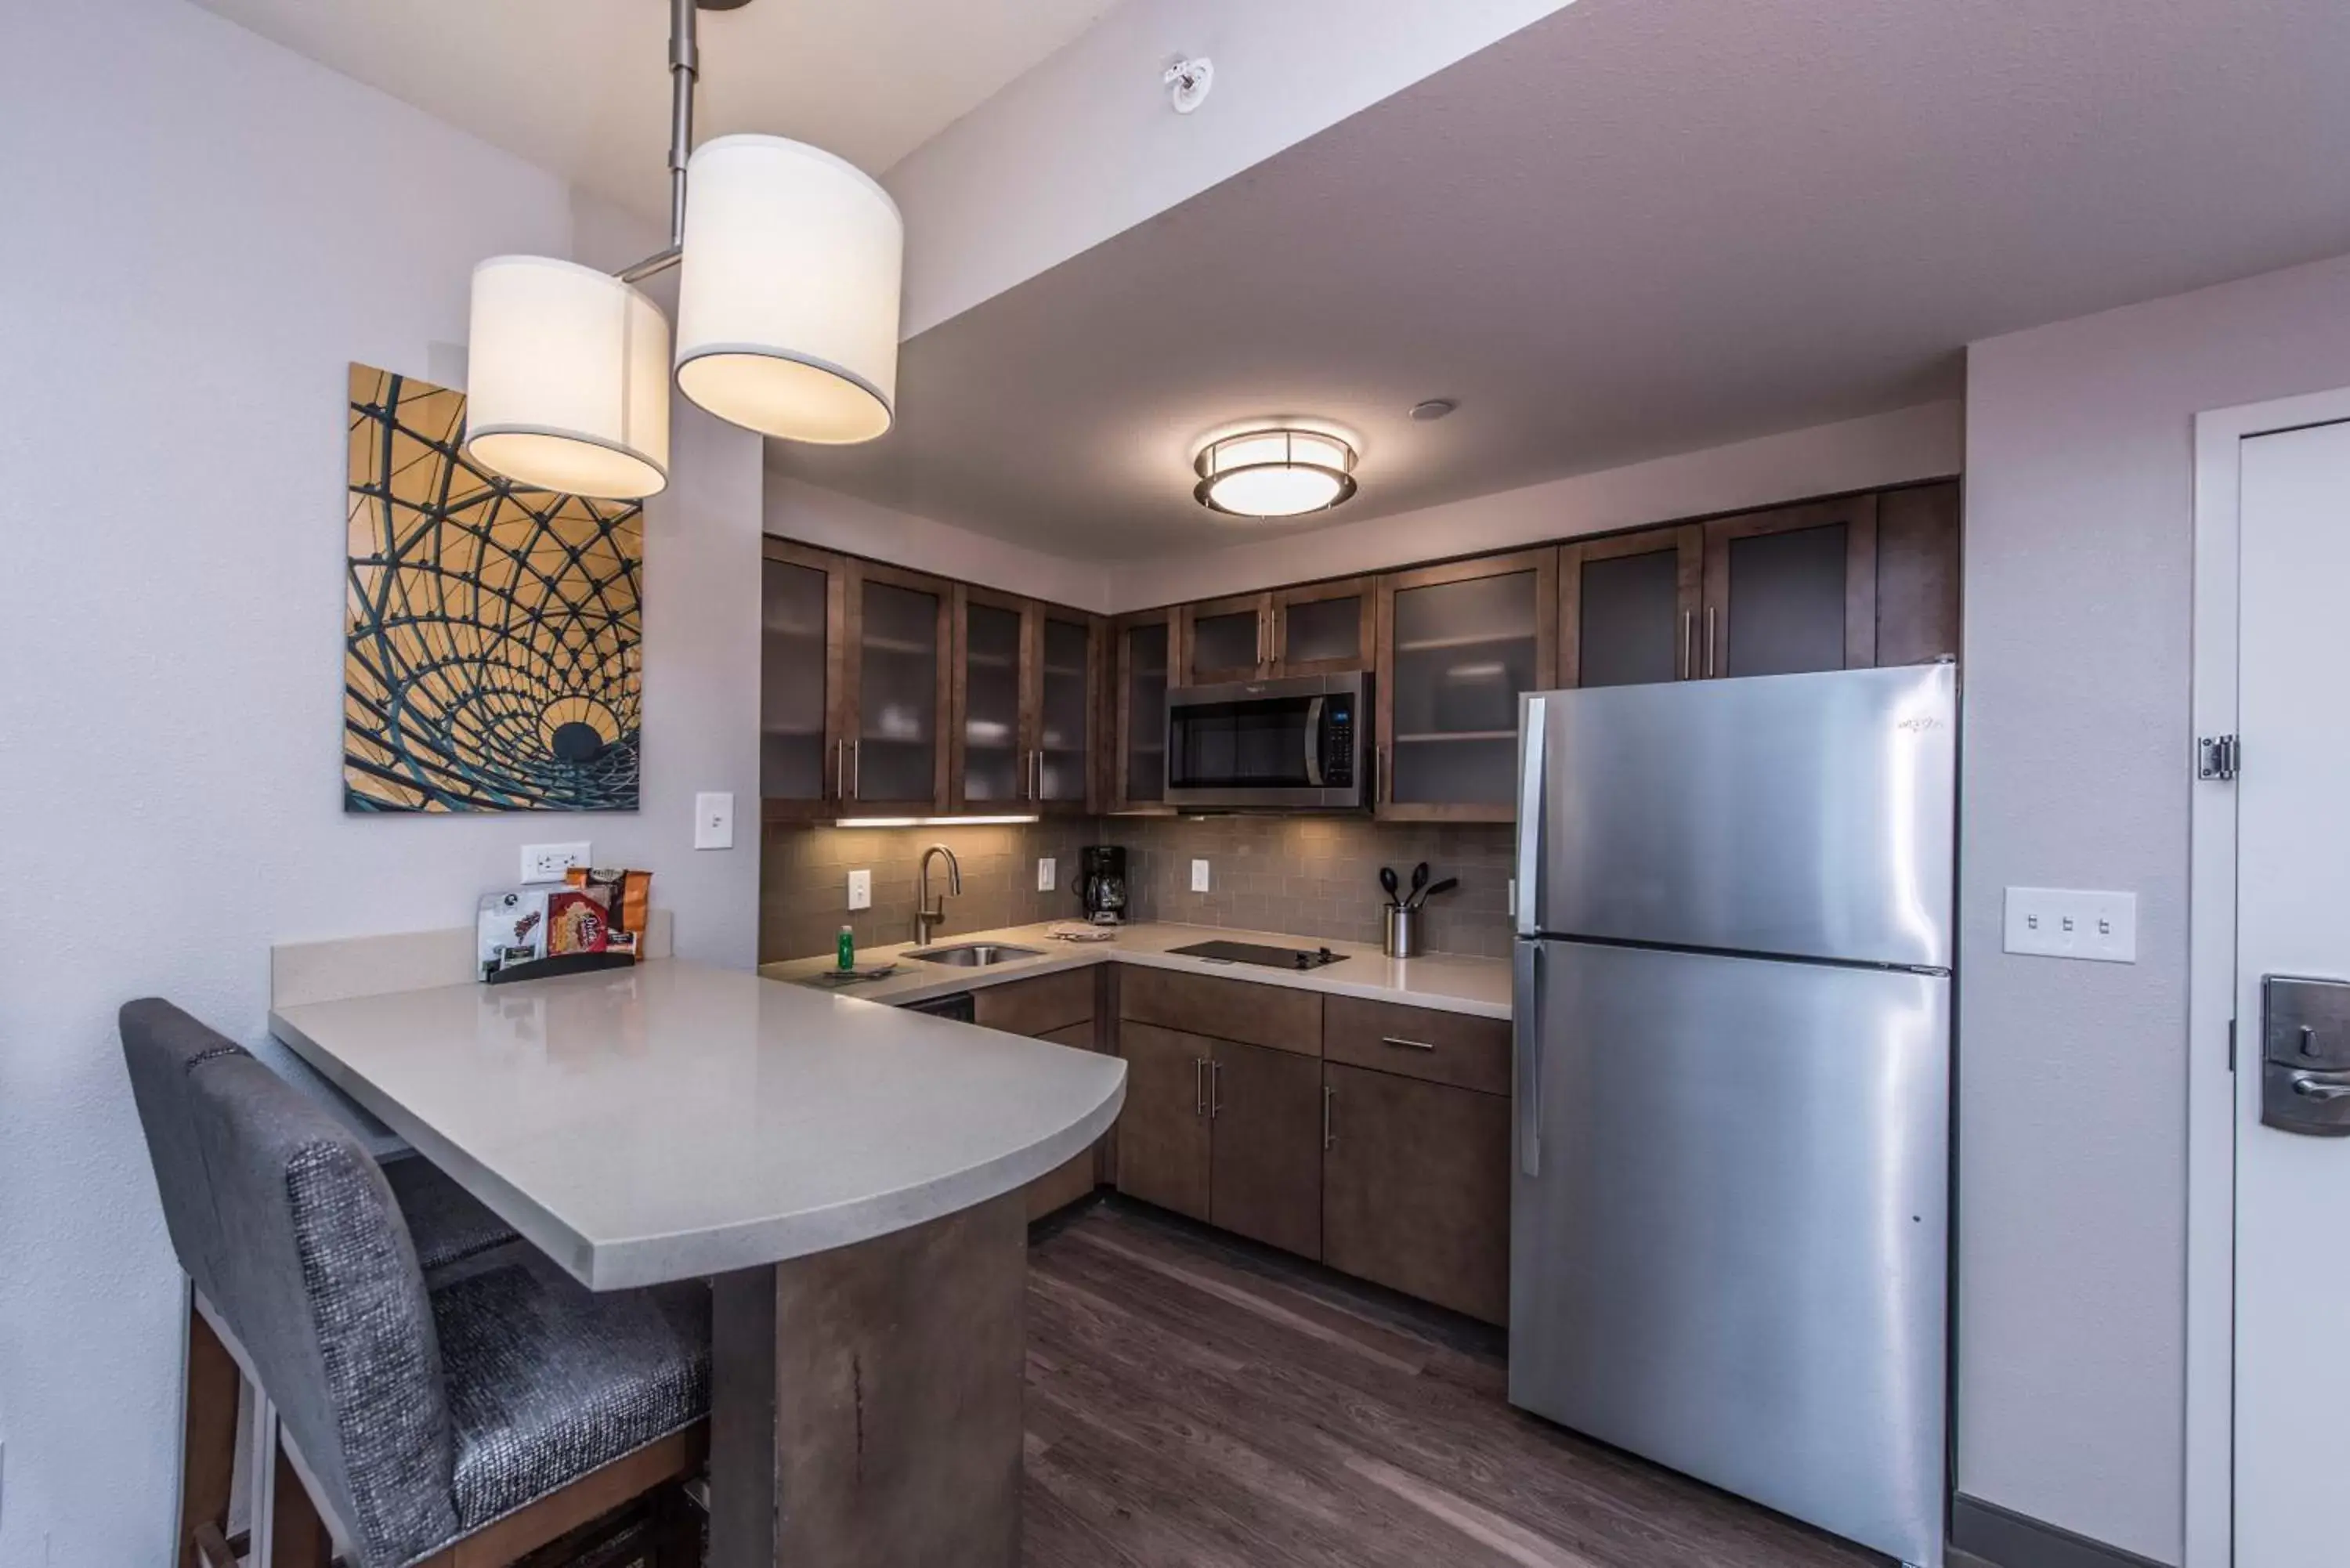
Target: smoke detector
<point>1188,82</point>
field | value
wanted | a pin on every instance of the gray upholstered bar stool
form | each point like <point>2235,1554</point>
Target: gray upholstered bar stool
<point>458,1422</point>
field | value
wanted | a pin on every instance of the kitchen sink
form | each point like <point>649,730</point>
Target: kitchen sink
<point>973,955</point>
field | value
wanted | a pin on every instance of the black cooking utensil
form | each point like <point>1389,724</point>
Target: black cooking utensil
<point>1431,891</point>
<point>1387,880</point>
<point>1419,881</point>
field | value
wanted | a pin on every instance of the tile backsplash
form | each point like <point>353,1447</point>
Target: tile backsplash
<point>1305,875</point>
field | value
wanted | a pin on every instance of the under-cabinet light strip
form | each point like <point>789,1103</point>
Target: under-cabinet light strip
<point>932,821</point>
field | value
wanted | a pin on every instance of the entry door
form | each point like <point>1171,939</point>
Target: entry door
<point>2292,1190</point>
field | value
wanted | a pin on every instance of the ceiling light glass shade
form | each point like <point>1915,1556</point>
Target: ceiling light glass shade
<point>1275,474</point>
<point>567,380</point>
<point>787,300</point>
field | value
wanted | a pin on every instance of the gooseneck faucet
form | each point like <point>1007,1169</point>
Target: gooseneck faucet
<point>930,917</point>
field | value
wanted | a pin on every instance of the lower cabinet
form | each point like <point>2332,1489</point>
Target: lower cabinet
<point>1162,1133</point>
<point>1416,1189</point>
<point>1060,1008</point>
<point>1264,1110</point>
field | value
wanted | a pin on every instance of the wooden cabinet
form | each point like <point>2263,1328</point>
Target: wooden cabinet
<point>1255,1012</point>
<point>1218,640</point>
<point>1416,1189</point>
<point>1264,1114</point>
<point>1325,628</point>
<point>897,693</point>
<point>1068,648</point>
<point>1061,1008</point>
<point>1918,573</point>
<point>1026,699</point>
<point>1163,1132</point>
<point>1455,1048</point>
<point>1791,589</point>
<point>803,622</point>
<point>1144,649</point>
<point>1628,607</point>
<point>1458,645</point>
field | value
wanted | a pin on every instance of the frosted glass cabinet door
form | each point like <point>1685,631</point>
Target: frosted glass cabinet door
<point>1064,713</point>
<point>1142,713</point>
<point>1628,607</point>
<point>993,763</point>
<point>898,645</point>
<point>1325,628</point>
<point>801,600</point>
<point>1791,590</point>
<point>1226,640</point>
<point>1461,643</point>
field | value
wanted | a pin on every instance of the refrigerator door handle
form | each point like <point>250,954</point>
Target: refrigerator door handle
<point>1530,818</point>
<point>1525,1039</point>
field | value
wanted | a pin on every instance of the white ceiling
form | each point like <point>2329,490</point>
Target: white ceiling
<point>1639,226</point>
<point>581,87</point>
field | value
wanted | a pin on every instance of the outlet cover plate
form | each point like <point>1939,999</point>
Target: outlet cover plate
<point>2065,922</point>
<point>1199,875</point>
<point>861,889</point>
<point>1046,869</point>
<point>548,862</point>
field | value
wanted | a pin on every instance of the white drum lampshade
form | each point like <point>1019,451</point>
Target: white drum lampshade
<point>567,380</point>
<point>787,305</point>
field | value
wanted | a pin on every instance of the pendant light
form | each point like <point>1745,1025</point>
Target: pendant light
<point>787,311</point>
<point>1278,473</point>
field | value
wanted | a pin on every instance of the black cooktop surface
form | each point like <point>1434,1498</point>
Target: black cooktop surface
<point>1259,953</point>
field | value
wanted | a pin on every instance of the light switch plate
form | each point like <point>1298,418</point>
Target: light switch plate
<point>861,889</point>
<point>2064,922</point>
<point>714,820</point>
<point>1046,869</point>
<point>548,862</point>
<point>1199,875</point>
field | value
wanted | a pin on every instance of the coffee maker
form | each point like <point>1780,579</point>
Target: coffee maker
<point>1101,883</point>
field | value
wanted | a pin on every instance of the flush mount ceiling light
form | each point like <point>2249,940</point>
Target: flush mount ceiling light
<point>1283,471</point>
<point>791,263</point>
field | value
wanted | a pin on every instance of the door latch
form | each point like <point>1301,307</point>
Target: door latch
<point>2219,757</point>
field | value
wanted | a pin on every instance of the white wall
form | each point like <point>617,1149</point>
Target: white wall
<point>1923,442</point>
<point>203,230</point>
<point>1086,144</point>
<point>2072,1239</point>
<point>828,519</point>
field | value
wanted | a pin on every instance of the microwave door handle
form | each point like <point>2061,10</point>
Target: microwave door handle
<point>1313,742</point>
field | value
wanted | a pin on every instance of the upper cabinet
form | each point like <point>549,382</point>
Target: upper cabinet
<point>1027,689</point>
<point>896,700</point>
<point>1219,640</point>
<point>1458,645</point>
<point>1068,658</point>
<point>1143,649</point>
<point>1791,589</point>
<point>1320,628</point>
<point>1628,607</point>
<point>803,613</point>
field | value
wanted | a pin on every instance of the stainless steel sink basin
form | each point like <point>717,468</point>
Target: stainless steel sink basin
<point>973,955</point>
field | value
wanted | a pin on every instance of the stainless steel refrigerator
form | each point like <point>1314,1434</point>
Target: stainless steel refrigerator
<point>1730,1209</point>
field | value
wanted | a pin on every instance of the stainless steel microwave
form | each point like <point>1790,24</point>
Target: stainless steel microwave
<point>1302,744</point>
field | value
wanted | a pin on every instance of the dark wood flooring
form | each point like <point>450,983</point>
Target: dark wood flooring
<point>1197,1403</point>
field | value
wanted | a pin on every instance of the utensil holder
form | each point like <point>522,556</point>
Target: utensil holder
<point>1401,937</point>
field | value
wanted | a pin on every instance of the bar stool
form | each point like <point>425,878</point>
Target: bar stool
<point>453,1421</point>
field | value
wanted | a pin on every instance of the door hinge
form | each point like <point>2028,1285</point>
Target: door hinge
<point>2219,757</point>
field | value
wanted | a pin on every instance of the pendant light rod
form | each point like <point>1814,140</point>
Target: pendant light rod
<point>684,73</point>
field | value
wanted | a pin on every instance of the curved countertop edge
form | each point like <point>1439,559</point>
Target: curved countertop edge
<point>1442,982</point>
<point>768,1240</point>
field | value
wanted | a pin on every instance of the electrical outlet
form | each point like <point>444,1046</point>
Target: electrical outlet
<point>1199,875</point>
<point>548,862</point>
<point>714,820</point>
<point>1046,869</point>
<point>861,889</point>
<point>2060,922</point>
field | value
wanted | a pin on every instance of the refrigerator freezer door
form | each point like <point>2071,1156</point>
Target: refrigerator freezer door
<point>1807,815</point>
<point>1732,1259</point>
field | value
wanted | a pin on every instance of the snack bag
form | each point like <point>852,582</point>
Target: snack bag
<point>511,927</point>
<point>579,920</point>
<point>628,903</point>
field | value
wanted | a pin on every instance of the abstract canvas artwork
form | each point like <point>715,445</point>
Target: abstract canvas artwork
<point>491,652</point>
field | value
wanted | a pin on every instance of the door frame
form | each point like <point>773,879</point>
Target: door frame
<point>2213,1085</point>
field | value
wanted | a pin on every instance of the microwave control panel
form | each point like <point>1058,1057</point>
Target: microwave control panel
<point>1338,744</point>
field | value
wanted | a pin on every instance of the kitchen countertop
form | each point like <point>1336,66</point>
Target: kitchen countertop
<point>672,1120</point>
<point>1449,982</point>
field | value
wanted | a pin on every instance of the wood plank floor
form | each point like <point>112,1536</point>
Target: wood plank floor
<point>1194,1402</point>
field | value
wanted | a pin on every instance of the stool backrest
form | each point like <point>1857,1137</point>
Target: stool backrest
<point>161,1047</point>
<point>316,1276</point>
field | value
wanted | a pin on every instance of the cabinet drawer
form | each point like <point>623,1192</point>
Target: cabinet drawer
<point>1038,1007</point>
<point>1272,1016</point>
<point>1468,1053</point>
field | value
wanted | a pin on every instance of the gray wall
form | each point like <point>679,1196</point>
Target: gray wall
<point>211,229</point>
<point>2072,1172</point>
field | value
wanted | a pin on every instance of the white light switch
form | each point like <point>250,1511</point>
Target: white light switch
<point>1199,875</point>
<point>1046,868</point>
<point>2063,922</point>
<point>861,889</point>
<point>548,862</point>
<point>714,820</point>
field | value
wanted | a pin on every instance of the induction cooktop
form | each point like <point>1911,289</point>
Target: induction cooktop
<point>1259,953</point>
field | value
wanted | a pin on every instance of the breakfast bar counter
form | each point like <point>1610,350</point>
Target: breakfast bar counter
<point>848,1176</point>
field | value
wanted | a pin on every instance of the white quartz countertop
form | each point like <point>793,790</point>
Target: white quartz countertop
<point>672,1120</point>
<point>1449,982</point>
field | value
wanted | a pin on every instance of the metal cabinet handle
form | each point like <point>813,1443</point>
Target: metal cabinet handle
<point>857,769</point>
<point>1689,644</point>
<point>1215,1090</point>
<point>1330,1128</point>
<point>1407,1044</point>
<point>1198,1086</point>
<point>2322,1087</point>
<point>840,769</point>
<point>1708,642</point>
